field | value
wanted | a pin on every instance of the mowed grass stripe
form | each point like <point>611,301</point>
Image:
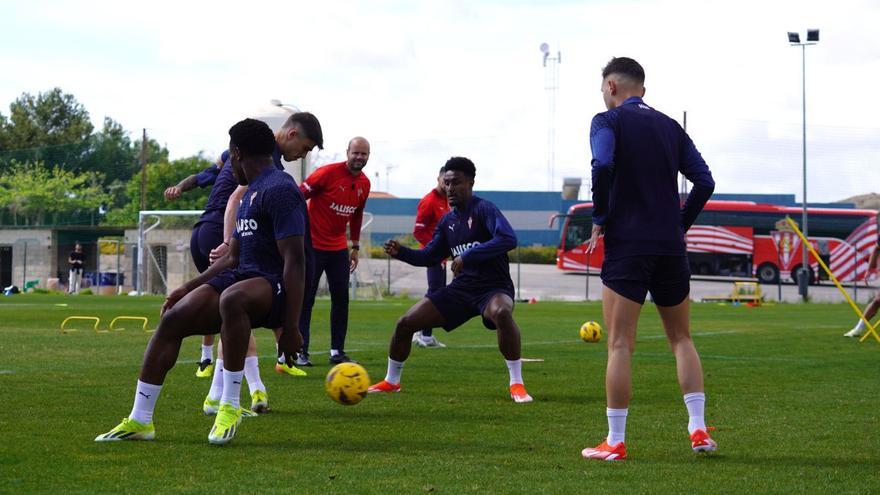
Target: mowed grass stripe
<point>793,402</point>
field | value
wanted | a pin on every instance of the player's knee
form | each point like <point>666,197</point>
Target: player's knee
<point>501,316</point>
<point>231,302</point>
<point>405,325</point>
<point>621,345</point>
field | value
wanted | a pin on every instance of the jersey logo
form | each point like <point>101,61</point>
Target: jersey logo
<point>452,226</point>
<point>343,210</point>
<point>360,192</point>
<point>279,288</point>
<point>253,197</point>
<point>342,188</point>
<point>470,222</point>
<point>246,226</point>
<point>461,248</point>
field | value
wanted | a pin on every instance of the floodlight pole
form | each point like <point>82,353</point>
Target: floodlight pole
<point>804,275</point>
<point>551,86</point>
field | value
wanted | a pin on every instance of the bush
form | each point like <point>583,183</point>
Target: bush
<point>86,292</point>
<point>540,255</point>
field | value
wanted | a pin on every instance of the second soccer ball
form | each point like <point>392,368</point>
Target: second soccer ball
<point>591,332</point>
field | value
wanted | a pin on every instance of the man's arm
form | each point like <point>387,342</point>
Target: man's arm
<point>695,169</point>
<point>430,255</point>
<point>292,249</point>
<point>602,144</point>
<point>202,179</point>
<point>229,216</point>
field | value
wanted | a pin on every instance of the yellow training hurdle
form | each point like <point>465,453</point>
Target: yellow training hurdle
<point>82,318</point>
<point>141,319</point>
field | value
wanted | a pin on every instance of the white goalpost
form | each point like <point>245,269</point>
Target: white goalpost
<point>142,245</point>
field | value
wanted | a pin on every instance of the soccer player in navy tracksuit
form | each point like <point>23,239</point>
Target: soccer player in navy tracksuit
<point>477,237</point>
<point>260,281</point>
<point>637,155</point>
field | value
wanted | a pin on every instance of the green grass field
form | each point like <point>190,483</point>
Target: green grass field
<point>794,403</point>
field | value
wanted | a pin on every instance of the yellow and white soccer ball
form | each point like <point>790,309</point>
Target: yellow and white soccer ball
<point>347,383</point>
<point>591,332</point>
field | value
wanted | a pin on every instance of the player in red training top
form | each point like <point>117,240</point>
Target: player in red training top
<point>431,209</point>
<point>338,193</point>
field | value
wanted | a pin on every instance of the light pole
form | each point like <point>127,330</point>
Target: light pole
<point>551,85</point>
<point>795,40</point>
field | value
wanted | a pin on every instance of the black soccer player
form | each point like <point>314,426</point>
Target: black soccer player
<point>477,237</point>
<point>260,282</point>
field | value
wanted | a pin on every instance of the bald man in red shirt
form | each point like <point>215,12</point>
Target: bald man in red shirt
<point>431,209</point>
<point>337,195</point>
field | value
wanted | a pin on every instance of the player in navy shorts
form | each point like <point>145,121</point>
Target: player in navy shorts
<point>638,153</point>
<point>477,237</point>
<point>260,282</point>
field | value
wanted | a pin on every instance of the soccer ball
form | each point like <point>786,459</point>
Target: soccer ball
<point>347,383</point>
<point>591,332</point>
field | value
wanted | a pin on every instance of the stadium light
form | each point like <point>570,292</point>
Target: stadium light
<point>795,40</point>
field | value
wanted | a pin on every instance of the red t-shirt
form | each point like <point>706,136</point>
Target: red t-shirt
<point>335,198</point>
<point>431,209</point>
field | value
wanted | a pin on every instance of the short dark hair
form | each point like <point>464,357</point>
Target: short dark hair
<point>461,164</point>
<point>310,126</point>
<point>253,137</point>
<point>626,67</point>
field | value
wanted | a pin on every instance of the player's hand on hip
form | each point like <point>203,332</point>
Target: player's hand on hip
<point>176,295</point>
<point>392,248</point>
<point>172,193</point>
<point>598,231</point>
<point>457,266</point>
<point>218,252</point>
<point>354,260</point>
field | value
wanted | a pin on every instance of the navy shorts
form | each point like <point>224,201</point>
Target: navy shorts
<point>205,237</point>
<point>459,304</point>
<point>667,278</point>
<point>228,278</point>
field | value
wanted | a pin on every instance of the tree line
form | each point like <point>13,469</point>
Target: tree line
<point>56,168</point>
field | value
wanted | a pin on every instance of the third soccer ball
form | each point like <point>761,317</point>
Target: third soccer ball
<point>591,332</point>
<point>347,383</point>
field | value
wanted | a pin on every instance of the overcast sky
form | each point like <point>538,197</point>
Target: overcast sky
<point>427,80</point>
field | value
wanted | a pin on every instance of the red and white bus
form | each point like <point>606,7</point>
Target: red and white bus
<point>740,238</point>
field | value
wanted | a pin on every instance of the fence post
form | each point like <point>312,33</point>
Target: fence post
<point>24,268</point>
<point>518,270</point>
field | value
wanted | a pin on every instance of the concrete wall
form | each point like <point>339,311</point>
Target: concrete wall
<point>39,260</point>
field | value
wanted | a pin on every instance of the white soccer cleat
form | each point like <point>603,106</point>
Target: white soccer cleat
<point>855,332</point>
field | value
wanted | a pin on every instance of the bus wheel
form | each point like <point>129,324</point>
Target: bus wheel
<point>810,274</point>
<point>768,273</point>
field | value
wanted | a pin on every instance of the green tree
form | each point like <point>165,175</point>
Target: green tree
<point>36,194</point>
<point>50,118</point>
<point>160,176</point>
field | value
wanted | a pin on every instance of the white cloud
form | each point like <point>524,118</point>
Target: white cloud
<point>426,80</point>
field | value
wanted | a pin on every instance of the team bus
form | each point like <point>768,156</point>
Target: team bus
<point>747,239</point>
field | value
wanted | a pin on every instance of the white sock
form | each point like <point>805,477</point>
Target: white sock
<point>394,370</point>
<point>207,352</point>
<point>217,381</point>
<point>515,370</point>
<point>334,352</point>
<point>144,402</point>
<point>232,387</point>
<point>616,425</point>
<point>252,374</point>
<point>860,326</point>
<point>696,405</point>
